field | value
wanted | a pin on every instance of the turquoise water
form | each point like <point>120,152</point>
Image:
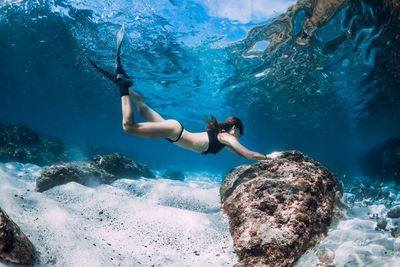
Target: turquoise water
<point>182,57</point>
<point>333,99</point>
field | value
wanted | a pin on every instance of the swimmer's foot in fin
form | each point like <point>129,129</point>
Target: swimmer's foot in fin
<point>123,80</point>
<point>120,77</point>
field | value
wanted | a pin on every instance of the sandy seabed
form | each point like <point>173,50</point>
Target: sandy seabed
<point>140,222</point>
<point>161,222</point>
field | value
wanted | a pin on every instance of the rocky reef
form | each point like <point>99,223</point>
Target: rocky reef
<point>102,169</point>
<point>121,166</point>
<point>368,233</point>
<point>382,162</point>
<point>22,144</point>
<point>279,207</point>
<point>374,193</point>
<point>15,247</point>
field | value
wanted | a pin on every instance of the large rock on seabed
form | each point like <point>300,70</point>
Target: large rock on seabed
<point>102,169</point>
<point>14,245</point>
<point>279,207</point>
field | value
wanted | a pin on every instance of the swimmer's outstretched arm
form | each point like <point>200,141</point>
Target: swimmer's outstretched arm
<point>233,145</point>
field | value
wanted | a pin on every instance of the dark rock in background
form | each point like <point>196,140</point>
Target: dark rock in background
<point>22,144</point>
<point>121,166</point>
<point>174,175</point>
<point>382,162</point>
<point>367,192</point>
<point>395,232</point>
<point>81,172</point>
<point>394,212</point>
<point>103,169</point>
<point>15,247</point>
<point>381,223</point>
<point>279,207</point>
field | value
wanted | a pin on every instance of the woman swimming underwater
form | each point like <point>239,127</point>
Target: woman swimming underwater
<point>218,135</point>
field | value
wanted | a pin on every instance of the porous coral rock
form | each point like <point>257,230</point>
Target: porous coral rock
<point>279,207</point>
<point>15,247</point>
<point>102,169</point>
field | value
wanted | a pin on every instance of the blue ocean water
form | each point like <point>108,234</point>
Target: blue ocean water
<point>180,55</point>
<point>172,50</point>
<point>330,99</point>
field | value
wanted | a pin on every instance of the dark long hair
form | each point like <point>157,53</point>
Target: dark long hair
<point>226,126</point>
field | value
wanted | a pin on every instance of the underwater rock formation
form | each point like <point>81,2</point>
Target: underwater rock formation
<point>367,191</point>
<point>15,247</point>
<point>395,232</point>
<point>121,166</point>
<point>279,207</point>
<point>174,175</point>
<point>371,193</point>
<point>382,162</point>
<point>81,172</point>
<point>103,169</point>
<point>381,223</point>
<point>24,145</point>
<point>394,212</point>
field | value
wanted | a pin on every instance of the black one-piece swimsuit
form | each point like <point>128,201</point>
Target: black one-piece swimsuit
<point>214,146</point>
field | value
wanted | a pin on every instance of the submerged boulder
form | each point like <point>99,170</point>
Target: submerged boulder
<point>103,169</point>
<point>395,231</point>
<point>22,144</point>
<point>382,162</point>
<point>279,207</point>
<point>381,223</point>
<point>81,172</point>
<point>15,247</point>
<point>394,212</point>
<point>121,166</point>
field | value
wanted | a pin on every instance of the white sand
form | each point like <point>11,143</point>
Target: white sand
<point>130,223</point>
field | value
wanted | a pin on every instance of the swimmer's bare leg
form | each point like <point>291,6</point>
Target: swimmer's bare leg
<point>155,129</point>
<point>128,118</point>
<point>144,110</point>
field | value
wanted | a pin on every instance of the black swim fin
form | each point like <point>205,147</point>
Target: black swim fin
<point>110,76</point>
<point>117,63</point>
<point>123,79</point>
<point>120,77</point>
